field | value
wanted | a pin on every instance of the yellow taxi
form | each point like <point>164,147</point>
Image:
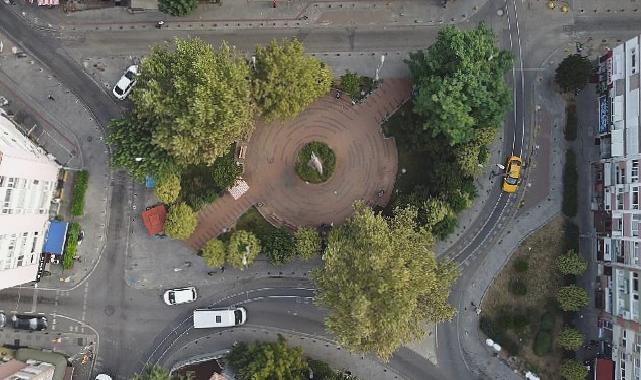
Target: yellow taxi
<point>512,174</point>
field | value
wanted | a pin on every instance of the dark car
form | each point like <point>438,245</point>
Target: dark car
<point>29,322</point>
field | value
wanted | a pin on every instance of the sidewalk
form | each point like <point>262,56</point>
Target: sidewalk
<point>237,14</point>
<point>64,127</point>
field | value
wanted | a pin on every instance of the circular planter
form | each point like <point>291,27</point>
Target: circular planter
<point>326,156</point>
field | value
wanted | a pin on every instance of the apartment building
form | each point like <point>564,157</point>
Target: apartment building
<point>616,206</point>
<point>28,179</point>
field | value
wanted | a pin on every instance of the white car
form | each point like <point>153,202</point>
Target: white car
<point>180,295</point>
<point>126,83</point>
<point>103,376</point>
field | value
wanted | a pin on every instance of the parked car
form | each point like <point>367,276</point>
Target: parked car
<point>126,83</point>
<point>3,319</point>
<point>512,174</point>
<point>180,295</point>
<point>227,317</point>
<point>29,322</point>
<point>103,376</point>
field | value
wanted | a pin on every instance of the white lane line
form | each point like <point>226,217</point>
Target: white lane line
<point>509,27</point>
<point>518,35</point>
<point>480,229</point>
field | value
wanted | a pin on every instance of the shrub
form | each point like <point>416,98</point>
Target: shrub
<point>279,247</point>
<point>324,153</point>
<point>521,266</point>
<point>79,189</point>
<point>71,246</point>
<point>573,73</point>
<point>351,84</point>
<point>570,131</point>
<point>177,7</point>
<point>570,339</point>
<point>214,252</point>
<point>198,187</point>
<point>572,369</point>
<point>570,181</point>
<point>167,187</point>
<point>225,171</point>
<point>517,287</point>
<point>571,263</point>
<point>572,298</point>
<point>542,343</point>
<point>547,322</point>
<point>242,244</point>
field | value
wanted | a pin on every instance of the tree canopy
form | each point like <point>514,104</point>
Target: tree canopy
<point>286,81</point>
<point>152,373</point>
<point>571,263</point>
<point>196,98</point>
<point>181,221</point>
<point>570,339</point>
<point>573,73</point>
<point>572,369</point>
<point>459,84</point>
<point>177,7</point>
<point>380,281</point>
<point>279,247</point>
<point>572,298</point>
<point>268,361</point>
<point>167,187</point>
<point>242,244</point>
<point>307,242</point>
<point>214,253</point>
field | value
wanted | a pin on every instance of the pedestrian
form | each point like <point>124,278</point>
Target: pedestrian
<point>50,97</point>
<point>273,3</point>
<point>159,24</point>
<point>222,269</point>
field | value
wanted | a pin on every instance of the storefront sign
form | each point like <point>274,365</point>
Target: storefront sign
<point>608,67</point>
<point>604,115</point>
<point>41,266</point>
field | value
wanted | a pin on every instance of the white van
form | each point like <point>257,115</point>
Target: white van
<point>228,317</point>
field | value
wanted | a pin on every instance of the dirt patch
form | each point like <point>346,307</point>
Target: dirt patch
<point>522,322</point>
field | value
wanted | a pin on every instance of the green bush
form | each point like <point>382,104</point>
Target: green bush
<point>177,7</point>
<point>521,266</point>
<point>324,153</point>
<point>509,345</point>
<point>570,131</point>
<point>80,183</point>
<point>570,182</point>
<point>520,321</point>
<point>198,187</point>
<point>71,246</point>
<point>351,84</point>
<point>517,287</point>
<point>542,343</point>
<point>280,247</point>
<point>489,327</point>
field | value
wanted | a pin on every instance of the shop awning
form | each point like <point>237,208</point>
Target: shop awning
<point>56,236</point>
<point>604,369</point>
<point>154,219</point>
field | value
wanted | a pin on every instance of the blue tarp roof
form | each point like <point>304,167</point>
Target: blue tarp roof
<point>150,183</point>
<point>56,236</point>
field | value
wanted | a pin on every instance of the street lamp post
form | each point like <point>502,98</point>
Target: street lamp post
<point>380,66</point>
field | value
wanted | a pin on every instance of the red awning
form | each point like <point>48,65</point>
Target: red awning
<point>154,219</point>
<point>604,369</point>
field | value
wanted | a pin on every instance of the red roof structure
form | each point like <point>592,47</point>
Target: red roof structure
<point>154,219</point>
<point>604,369</point>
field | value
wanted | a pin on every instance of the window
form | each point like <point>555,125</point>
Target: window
<point>635,197</point>
<point>634,173</point>
<point>634,60</point>
<point>619,201</point>
<point>636,224</point>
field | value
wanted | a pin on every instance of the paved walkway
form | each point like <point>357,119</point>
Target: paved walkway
<point>366,162</point>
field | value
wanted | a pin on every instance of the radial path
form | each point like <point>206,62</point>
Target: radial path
<point>366,163</point>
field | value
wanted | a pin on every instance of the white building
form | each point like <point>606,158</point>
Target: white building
<point>616,206</point>
<point>28,178</point>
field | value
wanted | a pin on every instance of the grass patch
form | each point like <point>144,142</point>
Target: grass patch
<point>254,222</point>
<point>570,182</point>
<point>71,246</point>
<point>530,320</point>
<point>570,130</point>
<point>324,153</point>
<point>80,183</point>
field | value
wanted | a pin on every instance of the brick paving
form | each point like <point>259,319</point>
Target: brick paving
<point>366,162</point>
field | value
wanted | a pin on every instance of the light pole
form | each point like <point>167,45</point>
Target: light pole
<point>245,257</point>
<point>380,66</point>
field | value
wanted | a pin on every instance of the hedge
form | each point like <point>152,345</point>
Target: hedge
<point>542,343</point>
<point>570,130</point>
<point>71,245</point>
<point>570,182</point>
<point>79,190</point>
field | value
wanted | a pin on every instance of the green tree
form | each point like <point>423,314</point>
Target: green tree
<point>307,242</point>
<point>132,149</point>
<point>242,244</point>
<point>351,84</point>
<point>380,281</point>
<point>268,361</point>
<point>225,170</point>
<point>214,252</point>
<point>572,369</point>
<point>570,339</point>
<point>181,221</point>
<point>167,187</point>
<point>572,298</point>
<point>196,98</point>
<point>460,85</point>
<point>177,7</point>
<point>152,373</point>
<point>286,81</point>
<point>279,247</point>
<point>573,73</point>
<point>571,263</point>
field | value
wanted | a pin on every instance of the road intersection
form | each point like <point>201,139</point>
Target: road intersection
<point>132,327</point>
